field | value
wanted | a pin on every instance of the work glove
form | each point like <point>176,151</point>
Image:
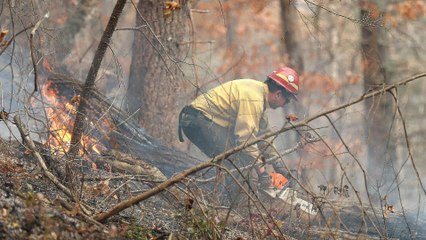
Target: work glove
<point>279,168</point>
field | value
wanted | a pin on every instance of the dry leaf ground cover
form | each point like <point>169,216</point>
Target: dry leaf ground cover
<point>30,206</point>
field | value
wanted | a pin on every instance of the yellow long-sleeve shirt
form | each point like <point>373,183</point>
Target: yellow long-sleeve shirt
<point>238,104</point>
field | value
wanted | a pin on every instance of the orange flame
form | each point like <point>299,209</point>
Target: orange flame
<point>60,113</point>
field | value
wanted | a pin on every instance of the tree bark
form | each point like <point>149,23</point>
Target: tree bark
<point>379,114</point>
<point>292,54</point>
<point>155,75</point>
<point>291,36</point>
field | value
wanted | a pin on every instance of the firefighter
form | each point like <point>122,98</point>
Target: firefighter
<point>234,113</point>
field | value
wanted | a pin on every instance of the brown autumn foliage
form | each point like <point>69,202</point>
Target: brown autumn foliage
<point>320,82</point>
<point>248,27</point>
<point>408,10</point>
<point>3,33</point>
<point>256,27</point>
<point>169,7</point>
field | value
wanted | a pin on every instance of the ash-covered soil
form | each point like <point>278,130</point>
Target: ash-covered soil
<point>30,206</point>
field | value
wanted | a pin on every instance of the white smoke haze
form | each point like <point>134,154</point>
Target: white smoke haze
<point>397,178</point>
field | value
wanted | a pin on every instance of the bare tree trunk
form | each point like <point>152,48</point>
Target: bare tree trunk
<point>291,36</point>
<point>155,76</point>
<point>87,93</point>
<point>231,53</point>
<point>292,54</point>
<point>379,114</point>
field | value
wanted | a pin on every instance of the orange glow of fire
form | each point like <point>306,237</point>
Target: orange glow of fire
<point>60,113</point>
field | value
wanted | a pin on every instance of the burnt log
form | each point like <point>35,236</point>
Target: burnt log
<point>112,129</point>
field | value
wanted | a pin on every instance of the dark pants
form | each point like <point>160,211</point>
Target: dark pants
<point>212,140</point>
<point>209,137</point>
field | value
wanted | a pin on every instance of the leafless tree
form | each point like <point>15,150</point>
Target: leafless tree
<point>291,35</point>
<point>155,75</point>
<point>379,110</point>
<point>89,85</point>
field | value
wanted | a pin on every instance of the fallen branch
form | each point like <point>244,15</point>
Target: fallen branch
<point>30,144</point>
<point>61,201</point>
<point>85,217</point>
<point>135,166</point>
<point>307,140</point>
<point>153,191</point>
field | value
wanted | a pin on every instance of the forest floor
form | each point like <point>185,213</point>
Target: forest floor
<point>31,207</point>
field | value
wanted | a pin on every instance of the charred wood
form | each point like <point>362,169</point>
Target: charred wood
<point>115,130</point>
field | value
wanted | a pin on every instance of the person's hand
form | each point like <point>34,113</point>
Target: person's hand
<point>261,170</point>
<point>280,168</point>
<point>292,117</point>
<point>265,181</point>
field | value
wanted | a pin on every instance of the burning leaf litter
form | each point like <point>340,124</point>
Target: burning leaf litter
<point>61,113</point>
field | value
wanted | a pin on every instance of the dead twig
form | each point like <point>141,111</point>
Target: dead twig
<point>116,190</point>
<point>153,191</point>
<point>63,203</point>
<point>30,144</point>
<point>6,44</point>
<point>90,80</point>
<point>85,217</point>
<point>37,25</point>
<point>297,146</point>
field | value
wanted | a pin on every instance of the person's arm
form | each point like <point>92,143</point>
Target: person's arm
<point>269,150</point>
<point>247,126</point>
<point>267,146</point>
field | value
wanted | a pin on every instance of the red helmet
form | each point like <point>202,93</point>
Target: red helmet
<point>286,77</point>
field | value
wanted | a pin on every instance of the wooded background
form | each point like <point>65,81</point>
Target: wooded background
<point>164,53</point>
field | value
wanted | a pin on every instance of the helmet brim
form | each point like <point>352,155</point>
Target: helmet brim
<point>294,97</point>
